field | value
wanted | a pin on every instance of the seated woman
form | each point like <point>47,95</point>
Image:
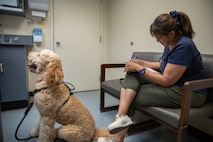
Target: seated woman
<point>181,61</point>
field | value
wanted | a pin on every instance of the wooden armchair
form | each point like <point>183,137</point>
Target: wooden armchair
<point>177,119</point>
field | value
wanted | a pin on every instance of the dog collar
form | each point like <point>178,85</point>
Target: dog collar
<point>38,90</point>
<point>66,100</point>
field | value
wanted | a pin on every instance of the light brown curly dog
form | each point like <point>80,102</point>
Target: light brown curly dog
<point>55,104</point>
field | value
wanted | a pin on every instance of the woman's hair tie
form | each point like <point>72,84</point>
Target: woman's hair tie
<point>175,15</point>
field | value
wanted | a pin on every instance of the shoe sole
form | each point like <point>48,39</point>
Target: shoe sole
<point>116,130</point>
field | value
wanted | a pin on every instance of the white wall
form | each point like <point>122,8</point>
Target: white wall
<point>17,25</point>
<point>129,20</point>
<point>125,21</point>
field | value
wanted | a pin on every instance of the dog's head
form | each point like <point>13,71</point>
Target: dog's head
<point>48,64</point>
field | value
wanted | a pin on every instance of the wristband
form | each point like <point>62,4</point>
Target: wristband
<point>142,72</point>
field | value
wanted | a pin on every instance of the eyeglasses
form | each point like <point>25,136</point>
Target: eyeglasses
<point>158,38</point>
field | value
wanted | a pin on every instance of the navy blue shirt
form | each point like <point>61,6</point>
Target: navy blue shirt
<point>184,53</point>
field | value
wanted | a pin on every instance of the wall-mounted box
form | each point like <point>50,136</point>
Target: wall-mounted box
<point>38,7</point>
<point>12,7</point>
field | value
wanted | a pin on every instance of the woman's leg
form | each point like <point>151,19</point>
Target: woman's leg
<point>131,85</point>
<point>119,137</point>
<point>126,97</point>
<point>128,91</point>
<point>121,120</point>
<point>127,94</point>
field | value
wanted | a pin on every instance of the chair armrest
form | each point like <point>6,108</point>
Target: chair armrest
<point>188,88</point>
<point>105,66</point>
<point>198,84</point>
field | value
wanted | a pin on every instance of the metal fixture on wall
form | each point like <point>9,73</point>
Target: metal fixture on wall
<point>39,7</point>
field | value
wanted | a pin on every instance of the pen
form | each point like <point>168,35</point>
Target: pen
<point>136,57</point>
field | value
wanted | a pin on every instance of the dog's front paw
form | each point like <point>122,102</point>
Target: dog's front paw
<point>34,132</point>
<point>55,133</point>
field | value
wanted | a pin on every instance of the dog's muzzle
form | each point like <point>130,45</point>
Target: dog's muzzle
<point>33,66</point>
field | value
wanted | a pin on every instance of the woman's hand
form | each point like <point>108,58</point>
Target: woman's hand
<point>137,61</point>
<point>132,66</point>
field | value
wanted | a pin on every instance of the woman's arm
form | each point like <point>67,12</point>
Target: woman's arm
<point>152,65</point>
<point>171,75</point>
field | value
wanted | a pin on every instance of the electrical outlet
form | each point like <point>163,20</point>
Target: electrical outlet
<point>43,23</point>
<point>28,22</point>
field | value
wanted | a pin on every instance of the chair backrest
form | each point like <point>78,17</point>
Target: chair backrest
<point>207,62</point>
<point>148,56</point>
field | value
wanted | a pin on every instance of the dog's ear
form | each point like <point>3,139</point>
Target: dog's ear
<point>54,75</point>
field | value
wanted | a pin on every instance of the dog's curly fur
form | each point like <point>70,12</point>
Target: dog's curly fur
<point>55,104</point>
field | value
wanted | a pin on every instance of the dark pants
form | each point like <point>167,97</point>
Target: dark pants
<point>149,94</point>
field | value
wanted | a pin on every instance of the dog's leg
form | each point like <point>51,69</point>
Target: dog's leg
<point>35,131</point>
<point>74,133</point>
<point>46,129</point>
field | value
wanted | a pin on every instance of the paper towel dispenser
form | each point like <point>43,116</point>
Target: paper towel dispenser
<point>38,7</point>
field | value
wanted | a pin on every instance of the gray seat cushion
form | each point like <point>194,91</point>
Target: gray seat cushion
<point>113,87</point>
<point>171,115</point>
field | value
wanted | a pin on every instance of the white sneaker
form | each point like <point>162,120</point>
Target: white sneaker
<point>102,139</point>
<point>119,124</point>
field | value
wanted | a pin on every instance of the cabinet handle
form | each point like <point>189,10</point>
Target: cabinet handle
<point>1,67</point>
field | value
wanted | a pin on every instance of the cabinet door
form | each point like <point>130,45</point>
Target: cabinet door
<point>13,83</point>
<point>13,80</point>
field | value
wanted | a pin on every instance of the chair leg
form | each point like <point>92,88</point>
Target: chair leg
<point>102,97</point>
<point>182,133</point>
<point>102,103</point>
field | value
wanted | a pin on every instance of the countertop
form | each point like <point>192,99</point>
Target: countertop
<point>17,40</point>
